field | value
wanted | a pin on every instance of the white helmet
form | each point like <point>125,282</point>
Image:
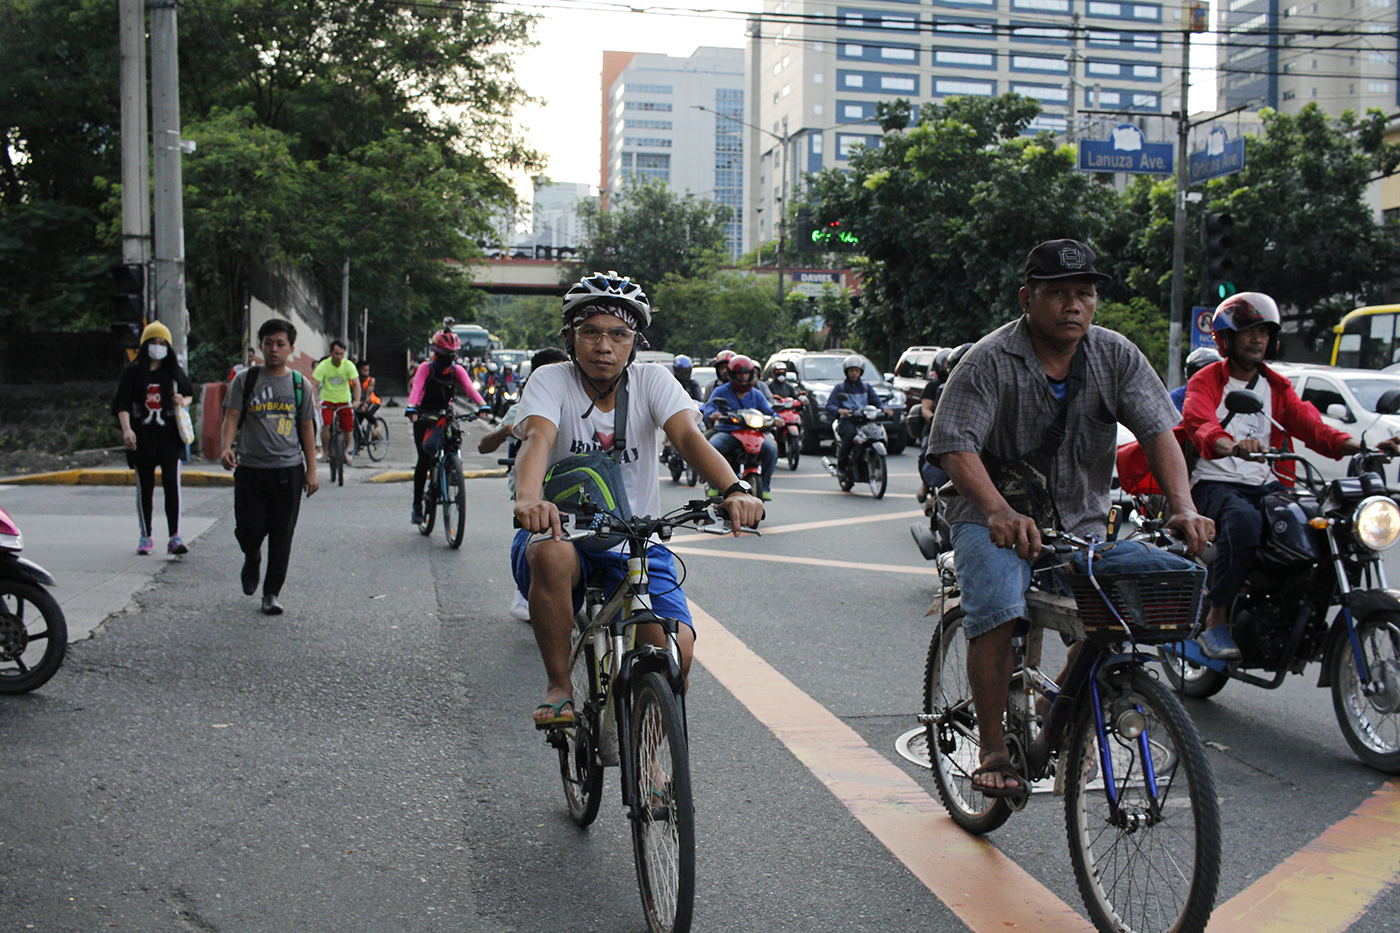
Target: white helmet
<point>853,362</point>
<point>608,288</point>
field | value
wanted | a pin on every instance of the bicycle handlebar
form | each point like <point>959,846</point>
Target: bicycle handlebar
<point>702,513</point>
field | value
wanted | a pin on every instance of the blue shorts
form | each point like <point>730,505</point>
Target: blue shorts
<point>993,579</point>
<point>667,597</point>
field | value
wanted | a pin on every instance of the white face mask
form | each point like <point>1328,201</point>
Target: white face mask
<point>157,351</point>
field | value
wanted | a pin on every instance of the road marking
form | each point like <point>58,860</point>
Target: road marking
<point>1329,884</point>
<point>808,561</point>
<point>984,888</point>
<point>810,526</point>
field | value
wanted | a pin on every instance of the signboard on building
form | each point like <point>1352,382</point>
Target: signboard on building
<point>1125,151</point>
<point>811,282</point>
<point>1221,156</point>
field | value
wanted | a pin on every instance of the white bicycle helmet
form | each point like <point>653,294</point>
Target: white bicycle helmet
<point>607,288</point>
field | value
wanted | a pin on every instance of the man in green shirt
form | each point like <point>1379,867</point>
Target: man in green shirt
<point>338,382</point>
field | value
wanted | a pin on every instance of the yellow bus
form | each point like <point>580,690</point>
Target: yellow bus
<point>1368,338</point>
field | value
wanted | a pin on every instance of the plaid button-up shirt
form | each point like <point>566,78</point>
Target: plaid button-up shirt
<point>998,400</point>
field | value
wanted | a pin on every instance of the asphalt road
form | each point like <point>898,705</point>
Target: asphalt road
<point>365,761</point>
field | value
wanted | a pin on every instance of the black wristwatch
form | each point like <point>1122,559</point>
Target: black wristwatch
<point>738,486</point>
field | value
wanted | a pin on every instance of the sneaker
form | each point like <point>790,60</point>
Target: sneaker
<point>766,496</point>
<point>320,457</point>
<point>176,546</point>
<point>144,545</point>
<point>1217,644</point>
<point>519,607</point>
<point>349,459</point>
<point>416,517</point>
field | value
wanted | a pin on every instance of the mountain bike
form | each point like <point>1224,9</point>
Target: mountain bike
<point>1140,805</point>
<point>371,433</point>
<point>630,713</point>
<point>446,486</point>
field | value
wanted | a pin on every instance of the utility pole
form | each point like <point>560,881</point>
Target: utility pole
<point>782,214</point>
<point>136,166</point>
<point>345,302</point>
<point>169,197</point>
<point>1183,126</point>
<point>1073,59</point>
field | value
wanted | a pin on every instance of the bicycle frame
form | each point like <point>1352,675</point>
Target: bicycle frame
<point>613,626</point>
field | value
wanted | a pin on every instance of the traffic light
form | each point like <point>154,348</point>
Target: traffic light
<point>1217,257</point>
<point>128,303</point>
<point>802,230</point>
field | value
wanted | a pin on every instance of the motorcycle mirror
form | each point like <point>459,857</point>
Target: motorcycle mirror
<point>1245,402</point>
<point>1389,403</point>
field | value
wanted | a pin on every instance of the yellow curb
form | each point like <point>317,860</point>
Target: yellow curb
<point>113,477</point>
<point>406,476</point>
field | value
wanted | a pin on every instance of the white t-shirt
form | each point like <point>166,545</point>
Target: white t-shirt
<point>1237,469</point>
<point>653,396</point>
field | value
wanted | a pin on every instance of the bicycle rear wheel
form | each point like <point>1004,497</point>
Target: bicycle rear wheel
<point>377,432</point>
<point>579,765</point>
<point>1152,862</point>
<point>430,501</point>
<point>663,824</point>
<point>954,741</point>
<point>454,501</point>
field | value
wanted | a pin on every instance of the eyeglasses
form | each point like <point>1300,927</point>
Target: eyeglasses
<point>594,335</point>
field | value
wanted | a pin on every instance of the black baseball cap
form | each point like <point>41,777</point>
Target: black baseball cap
<point>1063,259</point>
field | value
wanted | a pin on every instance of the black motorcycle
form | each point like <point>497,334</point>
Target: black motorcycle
<point>1322,547</point>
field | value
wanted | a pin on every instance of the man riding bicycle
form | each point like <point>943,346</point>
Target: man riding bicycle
<point>339,385</point>
<point>570,409</point>
<point>1041,393</point>
<point>434,386</point>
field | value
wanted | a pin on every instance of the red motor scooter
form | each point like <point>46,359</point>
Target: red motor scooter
<point>789,429</point>
<point>751,428</point>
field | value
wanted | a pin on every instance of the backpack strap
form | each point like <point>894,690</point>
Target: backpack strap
<point>1055,434</point>
<point>619,449</point>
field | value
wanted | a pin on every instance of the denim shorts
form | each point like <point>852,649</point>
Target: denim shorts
<point>993,579</point>
<point>667,598</point>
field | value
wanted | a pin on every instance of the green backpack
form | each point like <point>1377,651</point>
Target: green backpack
<point>589,479</point>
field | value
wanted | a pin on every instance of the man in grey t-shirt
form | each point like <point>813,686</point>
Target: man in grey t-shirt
<point>998,403</point>
<point>272,445</point>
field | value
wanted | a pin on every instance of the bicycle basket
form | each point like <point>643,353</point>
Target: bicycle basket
<point>1159,595</point>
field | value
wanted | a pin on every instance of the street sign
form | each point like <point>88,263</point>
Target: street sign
<point>1202,335</point>
<point>1222,156</point>
<point>1125,151</point>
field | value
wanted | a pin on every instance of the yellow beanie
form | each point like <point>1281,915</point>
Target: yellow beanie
<point>155,329</point>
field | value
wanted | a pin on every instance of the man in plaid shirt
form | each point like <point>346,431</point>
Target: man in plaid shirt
<point>997,404</point>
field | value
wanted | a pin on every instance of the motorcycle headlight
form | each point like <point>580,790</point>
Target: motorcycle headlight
<point>754,420</point>
<point>1376,523</point>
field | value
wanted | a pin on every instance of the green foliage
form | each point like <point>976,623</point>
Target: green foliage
<point>723,310</point>
<point>649,232</point>
<point>1142,322</point>
<point>522,321</point>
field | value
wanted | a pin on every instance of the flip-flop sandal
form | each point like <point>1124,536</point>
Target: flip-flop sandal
<point>558,719</point>
<point>1003,767</point>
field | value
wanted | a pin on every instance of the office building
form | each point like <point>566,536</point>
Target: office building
<point>652,127</point>
<point>1338,54</point>
<point>555,219</point>
<point>817,71</point>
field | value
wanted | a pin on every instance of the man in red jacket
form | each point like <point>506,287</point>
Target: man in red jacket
<point>1227,485</point>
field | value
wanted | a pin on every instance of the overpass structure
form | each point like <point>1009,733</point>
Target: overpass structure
<point>508,276</point>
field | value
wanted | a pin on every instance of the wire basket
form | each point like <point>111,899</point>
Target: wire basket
<point>1158,606</point>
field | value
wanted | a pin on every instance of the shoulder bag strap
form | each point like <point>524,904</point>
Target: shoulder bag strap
<point>619,449</point>
<point>1055,434</point>
<point>1231,416</point>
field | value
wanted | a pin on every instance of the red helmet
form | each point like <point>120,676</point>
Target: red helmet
<point>742,364</point>
<point>1245,310</point>
<point>445,341</point>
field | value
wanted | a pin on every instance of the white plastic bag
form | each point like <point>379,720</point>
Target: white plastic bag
<point>183,423</point>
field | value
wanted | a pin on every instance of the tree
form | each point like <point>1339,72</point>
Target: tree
<point>946,211</point>
<point>722,310</point>
<point>649,232</point>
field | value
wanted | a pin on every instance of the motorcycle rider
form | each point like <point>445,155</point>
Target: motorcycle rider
<point>778,383</point>
<point>845,398</point>
<point>1227,485</point>
<point>1196,360</point>
<point>682,368</point>
<point>721,363</point>
<point>741,391</point>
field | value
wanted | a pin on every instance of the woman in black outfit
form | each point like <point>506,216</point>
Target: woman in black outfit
<point>150,390</point>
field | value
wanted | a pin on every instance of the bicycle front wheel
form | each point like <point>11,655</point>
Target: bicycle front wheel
<point>377,430</point>
<point>454,501</point>
<point>663,823</point>
<point>1148,861</point>
<point>954,741</point>
<point>335,456</point>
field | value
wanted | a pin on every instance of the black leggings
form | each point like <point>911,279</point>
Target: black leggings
<point>425,460</point>
<point>266,502</point>
<point>144,462</point>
